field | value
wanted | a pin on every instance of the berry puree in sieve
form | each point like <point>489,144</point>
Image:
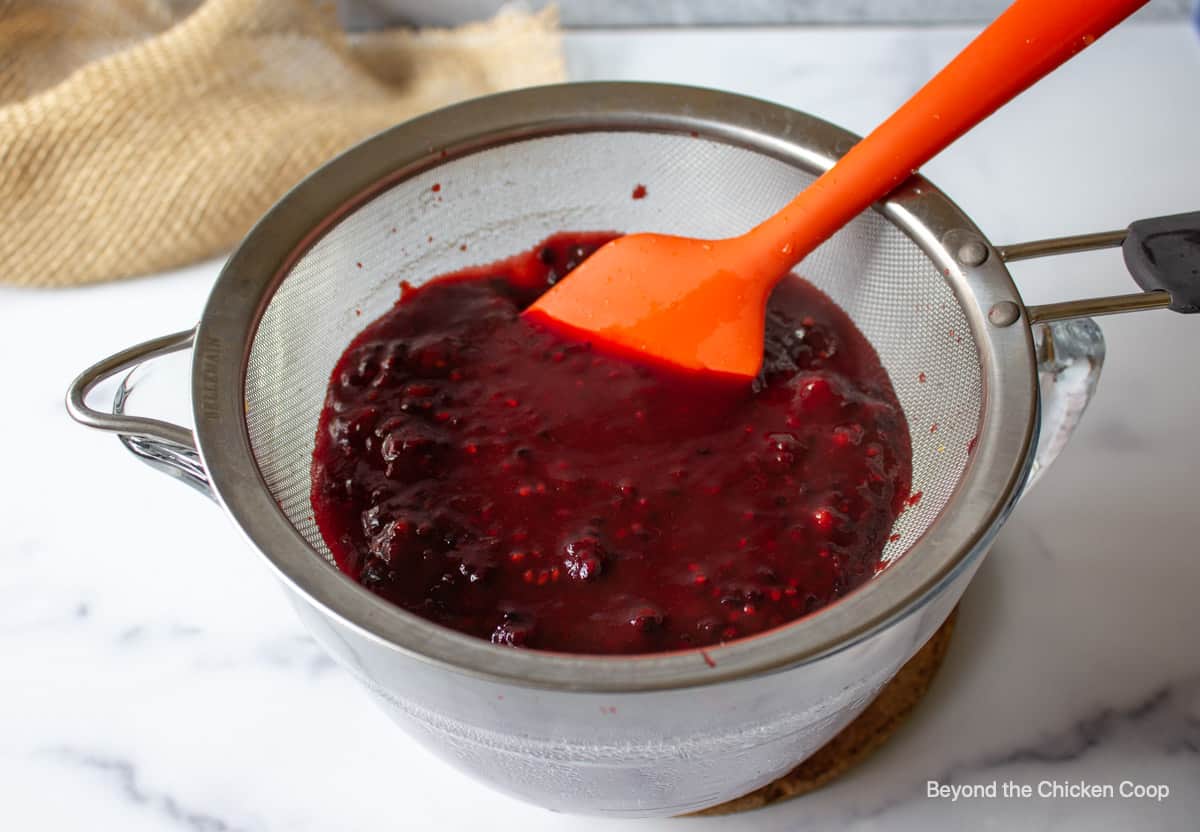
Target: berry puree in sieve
<point>498,476</point>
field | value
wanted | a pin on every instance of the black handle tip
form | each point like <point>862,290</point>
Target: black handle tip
<point>1164,253</point>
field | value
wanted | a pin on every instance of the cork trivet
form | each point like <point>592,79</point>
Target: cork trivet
<point>860,738</point>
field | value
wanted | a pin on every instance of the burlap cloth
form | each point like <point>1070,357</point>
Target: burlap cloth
<point>138,135</point>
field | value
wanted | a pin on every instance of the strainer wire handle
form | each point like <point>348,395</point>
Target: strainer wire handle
<point>168,447</point>
<point>1161,253</point>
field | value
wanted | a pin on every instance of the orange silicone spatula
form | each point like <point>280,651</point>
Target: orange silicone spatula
<point>701,303</point>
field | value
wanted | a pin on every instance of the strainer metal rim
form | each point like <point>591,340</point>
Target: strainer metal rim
<point>959,534</point>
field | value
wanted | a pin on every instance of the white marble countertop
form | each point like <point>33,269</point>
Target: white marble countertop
<point>153,677</point>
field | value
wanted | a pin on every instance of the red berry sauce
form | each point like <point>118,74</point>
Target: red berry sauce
<point>493,475</point>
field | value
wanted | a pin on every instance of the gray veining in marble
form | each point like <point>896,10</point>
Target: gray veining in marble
<point>124,777</point>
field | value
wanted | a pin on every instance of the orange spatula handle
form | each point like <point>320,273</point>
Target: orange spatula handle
<point>1028,41</point>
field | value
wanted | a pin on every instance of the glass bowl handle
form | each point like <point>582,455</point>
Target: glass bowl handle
<point>1070,357</point>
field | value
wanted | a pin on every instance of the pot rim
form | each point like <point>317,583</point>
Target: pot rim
<point>960,533</point>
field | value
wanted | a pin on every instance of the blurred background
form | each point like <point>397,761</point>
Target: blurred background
<point>366,14</point>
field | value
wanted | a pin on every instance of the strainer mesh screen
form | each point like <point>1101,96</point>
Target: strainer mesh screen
<point>504,200</point>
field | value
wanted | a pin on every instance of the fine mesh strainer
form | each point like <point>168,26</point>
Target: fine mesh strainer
<point>920,281</point>
<point>505,199</point>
